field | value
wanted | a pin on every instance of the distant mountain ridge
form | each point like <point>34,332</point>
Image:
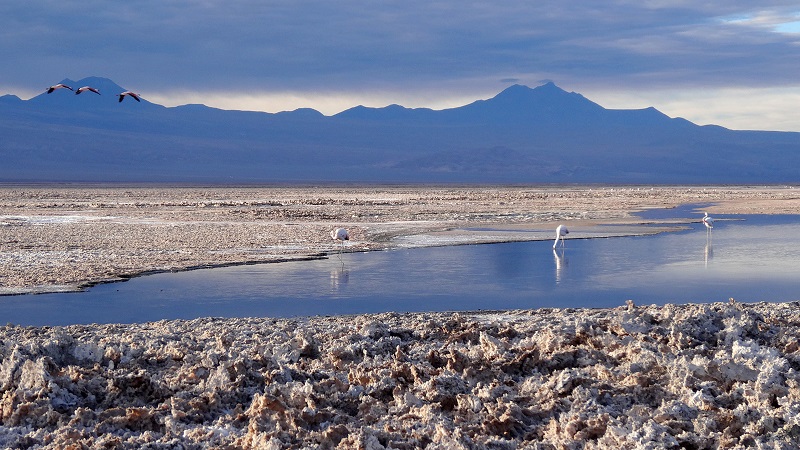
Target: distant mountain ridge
<point>521,135</point>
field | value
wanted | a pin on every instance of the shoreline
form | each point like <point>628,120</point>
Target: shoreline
<point>436,238</point>
<point>57,238</point>
<point>716,375</point>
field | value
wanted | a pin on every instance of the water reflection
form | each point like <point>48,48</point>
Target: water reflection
<point>561,263</point>
<point>339,278</point>
<point>755,258</point>
<point>708,252</point>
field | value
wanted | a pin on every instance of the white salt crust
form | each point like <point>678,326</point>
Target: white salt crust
<point>717,376</point>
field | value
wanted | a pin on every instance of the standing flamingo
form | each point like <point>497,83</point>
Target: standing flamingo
<point>58,86</point>
<point>133,95</point>
<point>561,231</point>
<point>341,235</point>
<point>708,221</point>
<point>87,88</point>
<point>709,250</point>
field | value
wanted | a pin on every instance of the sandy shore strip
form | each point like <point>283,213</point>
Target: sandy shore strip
<point>717,376</point>
<point>63,238</point>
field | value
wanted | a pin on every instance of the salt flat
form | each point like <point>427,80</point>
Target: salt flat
<point>56,238</point>
<point>717,376</point>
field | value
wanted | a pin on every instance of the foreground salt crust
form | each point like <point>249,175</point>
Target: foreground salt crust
<point>692,376</point>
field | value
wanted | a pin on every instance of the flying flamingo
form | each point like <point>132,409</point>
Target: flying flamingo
<point>87,88</point>
<point>58,86</point>
<point>134,95</point>
<point>561,231</point>
<point>341,235</point>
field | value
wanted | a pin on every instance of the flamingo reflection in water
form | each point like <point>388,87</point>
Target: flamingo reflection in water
<point>708,222</point>
<point>561,264</point>
<point>339,278</point>
<point>561,260</point>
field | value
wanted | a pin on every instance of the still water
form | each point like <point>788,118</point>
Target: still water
<point>749,258</point>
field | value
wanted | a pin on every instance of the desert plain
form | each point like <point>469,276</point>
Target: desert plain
<point>636,376</point>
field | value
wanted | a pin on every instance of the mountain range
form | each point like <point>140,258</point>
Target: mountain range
<point>522,135</point>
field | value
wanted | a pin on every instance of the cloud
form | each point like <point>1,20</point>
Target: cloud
<point>736,108</point>
<point>328,103</point>
<point>415,49</point>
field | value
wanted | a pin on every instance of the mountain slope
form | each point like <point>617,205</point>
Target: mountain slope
<point>521,135</point>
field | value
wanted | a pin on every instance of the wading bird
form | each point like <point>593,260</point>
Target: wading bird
<point>708,222</point>
<point>133,95</point>
<point>341,235</point>
<point>58,86</point>
<point>87,88</point>
<point>561,231</point>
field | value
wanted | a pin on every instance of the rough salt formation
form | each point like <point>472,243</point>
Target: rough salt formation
<point>717,376</point>
<point>62,238</point>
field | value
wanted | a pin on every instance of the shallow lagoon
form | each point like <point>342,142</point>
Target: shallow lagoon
<point>749,258</point>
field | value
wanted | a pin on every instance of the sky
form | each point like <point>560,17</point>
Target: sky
<point>726,62</point>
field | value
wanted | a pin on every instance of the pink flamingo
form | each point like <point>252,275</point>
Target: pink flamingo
<point>133,95</point>
<point>58,86</point>
<point>87,88</point>
<point>561,231</point>
<point>341,235</point>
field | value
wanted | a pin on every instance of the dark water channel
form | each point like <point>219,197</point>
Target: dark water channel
<point>749,258</point>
